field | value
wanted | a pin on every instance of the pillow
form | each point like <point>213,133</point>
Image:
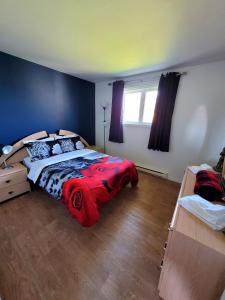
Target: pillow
<point>38,140</point>
<point>43,149</point>
<point>38,150</point>
<point>55,148</point>
<point>58,137</point>
<point>79,145</point>
<point>71,144</point>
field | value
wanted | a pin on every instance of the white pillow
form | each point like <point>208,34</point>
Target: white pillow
<point>56,149</point>
<point>36,141</point>
<point>79,145</point>
<point>58,137</point>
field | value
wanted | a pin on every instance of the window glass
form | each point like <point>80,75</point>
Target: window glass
<point>149,106</point>
<point>131,107</point>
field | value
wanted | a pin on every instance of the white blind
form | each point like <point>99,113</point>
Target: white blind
<point>136,85</point>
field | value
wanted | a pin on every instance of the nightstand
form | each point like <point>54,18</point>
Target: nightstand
<point>96,148</point>
<point>13,182</point>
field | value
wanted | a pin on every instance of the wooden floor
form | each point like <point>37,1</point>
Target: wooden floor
<point>45,254</point>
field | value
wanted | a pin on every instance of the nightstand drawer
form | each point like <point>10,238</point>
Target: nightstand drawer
<point>14,190</point>
<point>11,179</point>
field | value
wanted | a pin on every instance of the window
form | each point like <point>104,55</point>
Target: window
<point>131,107</point>
<point>138,107</point>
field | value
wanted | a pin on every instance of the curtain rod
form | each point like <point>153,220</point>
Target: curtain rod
<point>141,80</point>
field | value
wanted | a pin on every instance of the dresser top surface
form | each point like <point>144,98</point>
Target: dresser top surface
<point>18,167</point>
<point>186,223</point>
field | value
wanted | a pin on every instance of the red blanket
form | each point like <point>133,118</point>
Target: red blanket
<point>101,183</point>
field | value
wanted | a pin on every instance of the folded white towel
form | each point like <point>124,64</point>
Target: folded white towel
<point>196,169</point>
<point>211,214</point>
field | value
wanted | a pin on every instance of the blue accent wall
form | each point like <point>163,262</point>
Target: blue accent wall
<point>35,98</point>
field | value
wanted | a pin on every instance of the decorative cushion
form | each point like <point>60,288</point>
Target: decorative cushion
<point>71,144</point>
<point>56,149</point>
<point>67,145</point>
<point>40,150</point>
<point>79,145</point>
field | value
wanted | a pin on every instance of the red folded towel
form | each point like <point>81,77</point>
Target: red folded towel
<point>208,185</point>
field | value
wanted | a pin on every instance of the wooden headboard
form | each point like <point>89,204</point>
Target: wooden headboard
<point>19,150</point>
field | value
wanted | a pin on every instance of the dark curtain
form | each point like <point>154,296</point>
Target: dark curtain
<point>116,126</point>
<point>161,125</point>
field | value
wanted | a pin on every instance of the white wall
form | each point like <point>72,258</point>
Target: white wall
<point>198,127</point>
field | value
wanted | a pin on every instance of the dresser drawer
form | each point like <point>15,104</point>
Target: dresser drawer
<point>14,190</point>
<point>11,179</point>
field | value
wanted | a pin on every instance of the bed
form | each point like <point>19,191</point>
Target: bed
<point>81,179</point>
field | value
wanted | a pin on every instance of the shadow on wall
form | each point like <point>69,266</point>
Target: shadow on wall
<point>196,130</point>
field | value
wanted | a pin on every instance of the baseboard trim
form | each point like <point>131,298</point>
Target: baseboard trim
<point>156,172</point>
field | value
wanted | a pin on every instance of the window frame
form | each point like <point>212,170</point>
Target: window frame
<point>141,109</point>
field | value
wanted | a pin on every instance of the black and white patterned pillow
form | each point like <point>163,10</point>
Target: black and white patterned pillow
<point>71,144</point>
<point>38,150</point>
<point>67,145</point>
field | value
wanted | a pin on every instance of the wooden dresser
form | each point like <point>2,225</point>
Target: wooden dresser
<point>13,182</point>
<point>193,267</point>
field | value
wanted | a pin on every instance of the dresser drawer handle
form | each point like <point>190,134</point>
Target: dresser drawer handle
<point>161,265</point>
<point>165,245</point>
<point>7,181</point>
<point>11,192</point>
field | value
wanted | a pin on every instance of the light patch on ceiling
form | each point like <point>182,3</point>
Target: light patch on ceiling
<point>97,39</point>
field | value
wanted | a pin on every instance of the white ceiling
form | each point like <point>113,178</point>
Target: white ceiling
<point>102,39</point>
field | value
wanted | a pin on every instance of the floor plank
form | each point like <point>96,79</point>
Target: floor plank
<point>45,254</point>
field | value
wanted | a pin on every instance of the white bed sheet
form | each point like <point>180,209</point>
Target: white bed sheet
<point>27,162</point>
<point>36,167</point>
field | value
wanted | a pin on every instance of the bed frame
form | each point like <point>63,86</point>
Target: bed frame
<point>19,150</point>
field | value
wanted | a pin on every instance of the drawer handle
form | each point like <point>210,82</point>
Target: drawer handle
<point>161,265</point>
<point>170,228</point>
<point>11,192</point>
<point>165,246</point>
<point>8,181</point>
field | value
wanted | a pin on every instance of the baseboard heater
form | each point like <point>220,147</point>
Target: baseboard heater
<point>160,173</point>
